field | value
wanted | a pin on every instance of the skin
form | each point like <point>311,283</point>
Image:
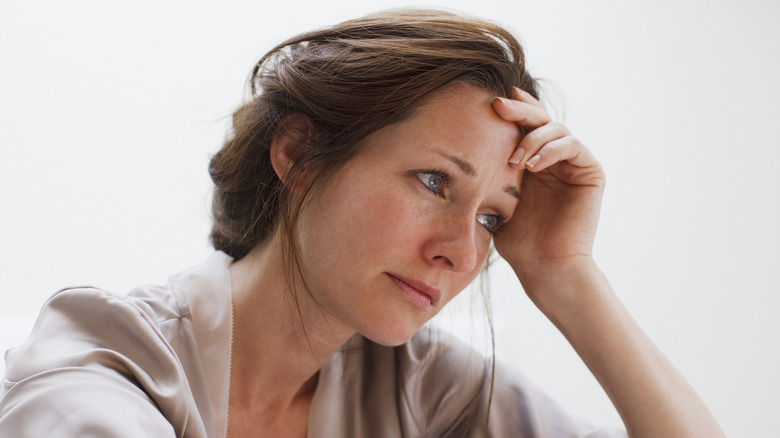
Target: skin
<point>380,220</point>
<point>549,246</point>
<point>391,214</point>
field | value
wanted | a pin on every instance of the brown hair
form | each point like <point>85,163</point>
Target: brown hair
<point>348,81</point>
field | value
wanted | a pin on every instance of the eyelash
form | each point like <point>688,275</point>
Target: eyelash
<point>442,175</point>
<point>498,226</point>
<point>500,220</point>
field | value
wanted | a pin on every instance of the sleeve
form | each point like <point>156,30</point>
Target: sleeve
<point>520,408</point>
<point>94,365</point>
<point>77,402</point>
<point>446,392</point>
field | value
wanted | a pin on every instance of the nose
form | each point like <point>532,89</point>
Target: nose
<point>453,245</point>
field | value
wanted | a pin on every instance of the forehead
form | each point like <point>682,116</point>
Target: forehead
<point>454,130</point>
<point>458,123</point>
<point>453,124</point>
<point>462,117</point>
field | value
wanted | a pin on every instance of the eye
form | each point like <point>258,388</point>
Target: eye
<point>433,180</point>
<point>493,223</point>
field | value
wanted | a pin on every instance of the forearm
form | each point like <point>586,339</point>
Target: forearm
<point>651,396</point>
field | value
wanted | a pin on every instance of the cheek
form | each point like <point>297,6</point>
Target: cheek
<point>365,222</point>
<point>389,219</point>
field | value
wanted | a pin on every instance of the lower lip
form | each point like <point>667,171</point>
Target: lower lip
<point>412,295</point>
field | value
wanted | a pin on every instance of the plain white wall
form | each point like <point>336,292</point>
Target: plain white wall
<point>109,112</point>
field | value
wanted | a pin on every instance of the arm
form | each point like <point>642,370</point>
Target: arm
<point>549,243</point>
<point>94,365</point>
<point>78,402</point>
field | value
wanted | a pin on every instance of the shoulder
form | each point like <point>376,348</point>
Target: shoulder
<point>86,317</point>
<point>89,327</point>
<point>97,359</point>
<point>458,392</point>
<point>144,364</point>
<point>151,305</point>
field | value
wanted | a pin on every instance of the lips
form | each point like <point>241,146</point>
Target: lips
<point>419,293</point>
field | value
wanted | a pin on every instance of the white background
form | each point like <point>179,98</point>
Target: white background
<point>109,112</point>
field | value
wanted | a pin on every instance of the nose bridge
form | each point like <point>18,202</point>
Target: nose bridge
<point>455,243</point>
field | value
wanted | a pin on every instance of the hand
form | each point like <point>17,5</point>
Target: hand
<point>548,242</point>
<point>555,221</point>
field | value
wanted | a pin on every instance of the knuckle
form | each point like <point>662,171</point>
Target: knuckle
<point>559,127</point>
<point>574,141</point>
<point>553,147</point>
<point>532,136</point>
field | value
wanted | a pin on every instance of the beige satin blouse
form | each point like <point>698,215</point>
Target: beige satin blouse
<point>156,363</point>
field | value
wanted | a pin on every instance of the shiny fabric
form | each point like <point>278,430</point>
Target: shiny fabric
<point>156,363</point>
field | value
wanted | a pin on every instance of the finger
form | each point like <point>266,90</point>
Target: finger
<point>524,96</point>
<point>535,140</point>
<point>567,148</point>
<point>516,160</point>
<point>524,114</point>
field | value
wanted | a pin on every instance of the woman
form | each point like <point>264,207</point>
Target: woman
<point>359,192</point>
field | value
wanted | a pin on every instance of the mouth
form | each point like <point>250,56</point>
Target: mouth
<point>416,292</point>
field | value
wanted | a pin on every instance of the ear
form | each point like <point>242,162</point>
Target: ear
<point>288,144</point>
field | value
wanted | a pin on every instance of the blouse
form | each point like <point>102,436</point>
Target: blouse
<point>156,363</point>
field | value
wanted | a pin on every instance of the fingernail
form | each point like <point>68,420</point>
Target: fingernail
<point>517,156</point>
<point>533,161</point>
<point>503,100</point>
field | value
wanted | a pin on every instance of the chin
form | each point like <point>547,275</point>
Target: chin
<point>390,335</point>
<point>388,342</point>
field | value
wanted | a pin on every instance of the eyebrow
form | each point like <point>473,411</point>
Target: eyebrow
<point>514,191</point>
<point>464,165</point>
<point>469,170</point>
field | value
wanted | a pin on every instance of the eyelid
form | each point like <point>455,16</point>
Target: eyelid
<point>445,177</point>
<point>442,175</point>
<point>501,222</point>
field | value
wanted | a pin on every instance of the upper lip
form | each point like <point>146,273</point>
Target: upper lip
<point>426,289</point>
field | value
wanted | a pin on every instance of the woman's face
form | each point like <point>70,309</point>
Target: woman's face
<point>406,225</point>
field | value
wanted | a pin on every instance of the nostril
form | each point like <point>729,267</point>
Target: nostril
<point>446,260</point>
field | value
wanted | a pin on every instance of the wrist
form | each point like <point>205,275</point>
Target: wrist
<point>561,287</point>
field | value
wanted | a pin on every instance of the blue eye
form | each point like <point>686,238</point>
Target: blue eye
<point>432,180</point>
<point>487,221</point>
<point>492,223</point>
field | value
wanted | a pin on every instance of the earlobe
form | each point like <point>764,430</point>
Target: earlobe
<point>288,144</point>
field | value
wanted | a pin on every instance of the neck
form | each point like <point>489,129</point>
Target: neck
<point>280,341</point>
